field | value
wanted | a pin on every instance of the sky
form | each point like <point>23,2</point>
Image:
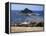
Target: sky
<point>22,7</point>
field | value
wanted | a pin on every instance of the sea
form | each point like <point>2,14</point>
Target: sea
<point>15,17</point>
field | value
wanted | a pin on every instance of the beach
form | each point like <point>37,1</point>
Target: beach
<point>26,29</point>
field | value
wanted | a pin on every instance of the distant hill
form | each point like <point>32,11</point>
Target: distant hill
<point>26,10</point>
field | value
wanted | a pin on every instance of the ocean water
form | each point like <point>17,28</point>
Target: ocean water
<point>17,18</point>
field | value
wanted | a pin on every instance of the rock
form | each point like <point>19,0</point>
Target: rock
<point>26,10</point>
